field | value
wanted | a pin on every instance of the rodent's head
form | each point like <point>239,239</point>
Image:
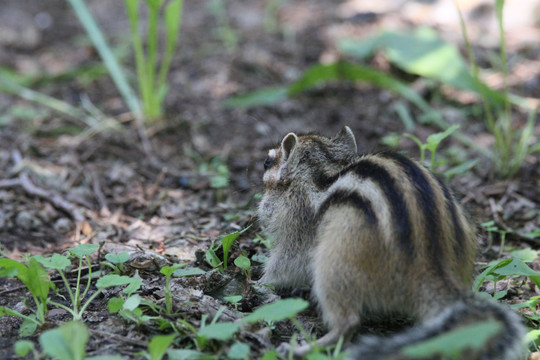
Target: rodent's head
<point>302,157</point>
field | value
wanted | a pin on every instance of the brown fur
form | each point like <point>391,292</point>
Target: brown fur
<point>375,234</point>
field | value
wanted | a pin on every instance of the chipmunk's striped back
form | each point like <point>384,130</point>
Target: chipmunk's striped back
<point>374,235</point>
<point>413,212</point>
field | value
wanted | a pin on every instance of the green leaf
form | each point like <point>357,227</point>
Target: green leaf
<point>169,270</point>
<point>227,242</point>
<point>482,277</point>
<point>267,96</point>
<point>500,294</point>
<point>135,285</point>
<point>278,310</point>
<point>117,258</point>
<point>12,268</point>
<point>105,357</point>
<point>4,310</point>
<point>454,342</point>
<point>186,354</point>
<point>115,305</point>
<point>422,52</point>
<point>39,282</point>
<point>532,335</point>
<point>260,258</point>
<point>515,267</point>
<point>113,280</point>
<point>212,259</point>
<point>188,272</point>
<point>533,234</point>
<point>342,70</point>
<point>219,181</point>
<point>56,261</point>
<point>84,250</point>
<point>27,328</point>
<point>233,299</point>
<point>219,331</point>
<point>531,304</point>
<point>242,262</point>
<point>270,355</point>
<point>435,139</point>
<point>238,350</point>
<point>318,356</point>
<point>525,255</point>
<point>461,169</point>
<point>158,345</point>
<point>132,302</point>
<point>23,347</point>
<point>360,49</point>
<point>67,342</point>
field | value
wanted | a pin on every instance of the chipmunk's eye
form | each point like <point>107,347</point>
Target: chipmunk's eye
<point>268,163</point>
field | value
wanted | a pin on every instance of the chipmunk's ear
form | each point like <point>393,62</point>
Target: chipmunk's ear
<point>345,137</point>
<point>288,146</point>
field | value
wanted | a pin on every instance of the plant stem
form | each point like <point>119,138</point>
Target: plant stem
<point>89,301</point>
<point>62,107</point>
<point>151,65</point>
<point>62,306</point>
<point>40,307</point>
<point>89,277</point>
<point>29,319</point>
<point>74,301</point>
<point>168,296</point>
<point>77,289</point>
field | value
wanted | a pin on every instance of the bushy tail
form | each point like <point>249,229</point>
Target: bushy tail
<point>505,344</point>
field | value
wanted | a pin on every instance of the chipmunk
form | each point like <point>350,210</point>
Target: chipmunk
<point>374,235</point>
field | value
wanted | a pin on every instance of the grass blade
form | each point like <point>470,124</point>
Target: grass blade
<point>173,19</point>
<point>95,34</point>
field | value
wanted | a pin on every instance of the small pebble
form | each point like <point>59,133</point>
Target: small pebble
<point>27,220</point>
<point>63,225</point>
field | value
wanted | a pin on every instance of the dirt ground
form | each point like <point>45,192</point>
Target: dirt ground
<point>63,182</point>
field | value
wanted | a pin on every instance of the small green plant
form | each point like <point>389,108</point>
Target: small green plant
<point>224,31</point>
<point>67,342</point>
<point>533,234</point>
<point>157,347</point>
<point>116,261</point>
<point>168,271</point>
<point>492,228</point>
<point>432,143</point>
<point>36,279</point>
<point>511,145</point>
<point>276,311</point>
<point>243,263</point>
<point>266,242</point>
<point>61,263</point>
<point>500,269</point>
<point>217,171</point>
<point>239,351</point>
<point>234,300</point>
<point>153,80</point>
<point>226,242</point>
<point>129,308</point>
